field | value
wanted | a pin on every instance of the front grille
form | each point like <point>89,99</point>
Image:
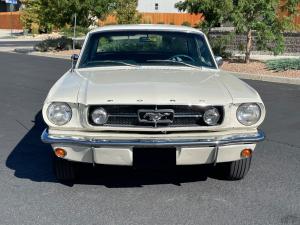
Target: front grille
<point>127,115</point>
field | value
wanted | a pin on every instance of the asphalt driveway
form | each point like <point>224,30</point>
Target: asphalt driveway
<point>30,194</point>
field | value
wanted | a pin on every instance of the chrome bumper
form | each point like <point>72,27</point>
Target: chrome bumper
<point>220,141</point>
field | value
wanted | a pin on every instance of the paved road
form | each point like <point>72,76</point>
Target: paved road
<point>17,43</point>
<point>29,193</point>
<point>9,45</point>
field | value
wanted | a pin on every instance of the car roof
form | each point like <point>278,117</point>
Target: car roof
<point>147,27</point>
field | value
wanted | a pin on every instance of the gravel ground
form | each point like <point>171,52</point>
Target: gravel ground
<point>258,68</point>
<point>66,53</point>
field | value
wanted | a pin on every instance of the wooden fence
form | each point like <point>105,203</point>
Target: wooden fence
<point>162,18</point>
<point>10,20</point>
<point>7,19</point>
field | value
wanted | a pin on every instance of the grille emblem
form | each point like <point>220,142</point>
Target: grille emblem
<point>160,116</point>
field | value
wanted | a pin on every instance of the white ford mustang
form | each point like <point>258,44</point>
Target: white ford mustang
<point>151,95</point>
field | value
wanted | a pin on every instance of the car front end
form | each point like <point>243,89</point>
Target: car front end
<point>179,114</point>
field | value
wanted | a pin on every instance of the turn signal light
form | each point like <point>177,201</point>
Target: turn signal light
<point>59,152</point>
<point>246,153</point>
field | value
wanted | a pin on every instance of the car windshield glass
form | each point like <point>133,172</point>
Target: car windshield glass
<point>139,48</point>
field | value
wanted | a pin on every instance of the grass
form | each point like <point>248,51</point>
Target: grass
<point>283,64</point>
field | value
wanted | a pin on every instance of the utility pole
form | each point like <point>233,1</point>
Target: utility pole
<point>74,34</point>
<point>11,18</point>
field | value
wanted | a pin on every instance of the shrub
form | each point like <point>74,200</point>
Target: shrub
<point>69,31</point>
<point>283,64</point>
<point>219,45</point>
<point>126,13</point>
<point>57,44</point>
<point>147,20</point>
<point>186,23</point>
<point>35,28</point>
<point>110,23</point>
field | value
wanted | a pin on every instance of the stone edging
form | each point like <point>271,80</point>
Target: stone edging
<point>268,78</point>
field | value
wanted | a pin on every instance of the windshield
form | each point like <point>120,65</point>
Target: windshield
<point>139,48</point>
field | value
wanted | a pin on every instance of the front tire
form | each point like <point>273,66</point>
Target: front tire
<point>63,169</point>
<point>235,170</point>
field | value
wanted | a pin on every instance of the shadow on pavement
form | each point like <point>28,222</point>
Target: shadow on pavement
<point>32,159</point>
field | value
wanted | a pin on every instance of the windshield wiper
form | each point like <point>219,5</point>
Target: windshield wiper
<point>113,61</point>
<point>173,61</point>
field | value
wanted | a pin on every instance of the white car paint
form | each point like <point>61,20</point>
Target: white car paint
<point>157,85</point>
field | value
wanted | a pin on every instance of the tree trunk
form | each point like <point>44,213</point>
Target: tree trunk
<point>249,46</point>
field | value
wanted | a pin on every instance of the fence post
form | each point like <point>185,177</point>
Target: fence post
<point>11,18</point>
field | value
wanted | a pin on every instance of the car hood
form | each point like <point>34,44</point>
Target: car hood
<point>152,86</point>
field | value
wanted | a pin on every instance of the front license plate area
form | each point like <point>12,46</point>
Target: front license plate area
<point>154,157</point>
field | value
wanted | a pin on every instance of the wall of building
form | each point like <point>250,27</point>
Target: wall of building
<point>4,7</point>
<point>157,6</point>
<point>292,41</point>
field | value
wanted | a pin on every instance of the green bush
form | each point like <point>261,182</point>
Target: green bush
<point>186,23</point>
<point>57,44</point>
<point>283,64</point>
<point>219,45</point>
<point>69,31</point>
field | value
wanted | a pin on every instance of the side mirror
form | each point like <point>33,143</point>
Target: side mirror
<point>74,59</point>
<point>219,61</point>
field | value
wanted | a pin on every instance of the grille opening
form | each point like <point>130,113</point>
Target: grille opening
<point>127,115</point>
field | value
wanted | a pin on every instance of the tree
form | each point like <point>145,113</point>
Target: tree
<point>29,15</point>
<point>262,17</point>
<point>214,11</point>
<point>59,13</point>
<point>102,8</point>
<point>126,13</point>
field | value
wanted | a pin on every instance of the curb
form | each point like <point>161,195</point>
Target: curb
<point>35,53</point>
<point>268,78</point>
<point>19,40</point>
<point>24,50</point>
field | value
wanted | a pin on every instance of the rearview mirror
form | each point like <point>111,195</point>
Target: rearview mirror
<point>74,59</point>
<point>219,61</point>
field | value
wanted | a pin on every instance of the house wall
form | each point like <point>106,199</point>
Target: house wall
<point>292,42</point>
<point>4,7</point>
<point>163,6</point>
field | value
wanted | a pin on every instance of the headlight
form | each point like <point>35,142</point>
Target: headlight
<point>211,116</point>
<point>59,113</point>
<point>248,113</point>
<point>99,116</point>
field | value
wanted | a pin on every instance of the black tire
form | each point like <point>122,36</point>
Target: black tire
<point>235,170</point>
<point>63,169</point>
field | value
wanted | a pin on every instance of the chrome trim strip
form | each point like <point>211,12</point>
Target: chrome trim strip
<point>175,116</point>
<point>187,116</point>
<point>124,115</point>
<point>224,140</point>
